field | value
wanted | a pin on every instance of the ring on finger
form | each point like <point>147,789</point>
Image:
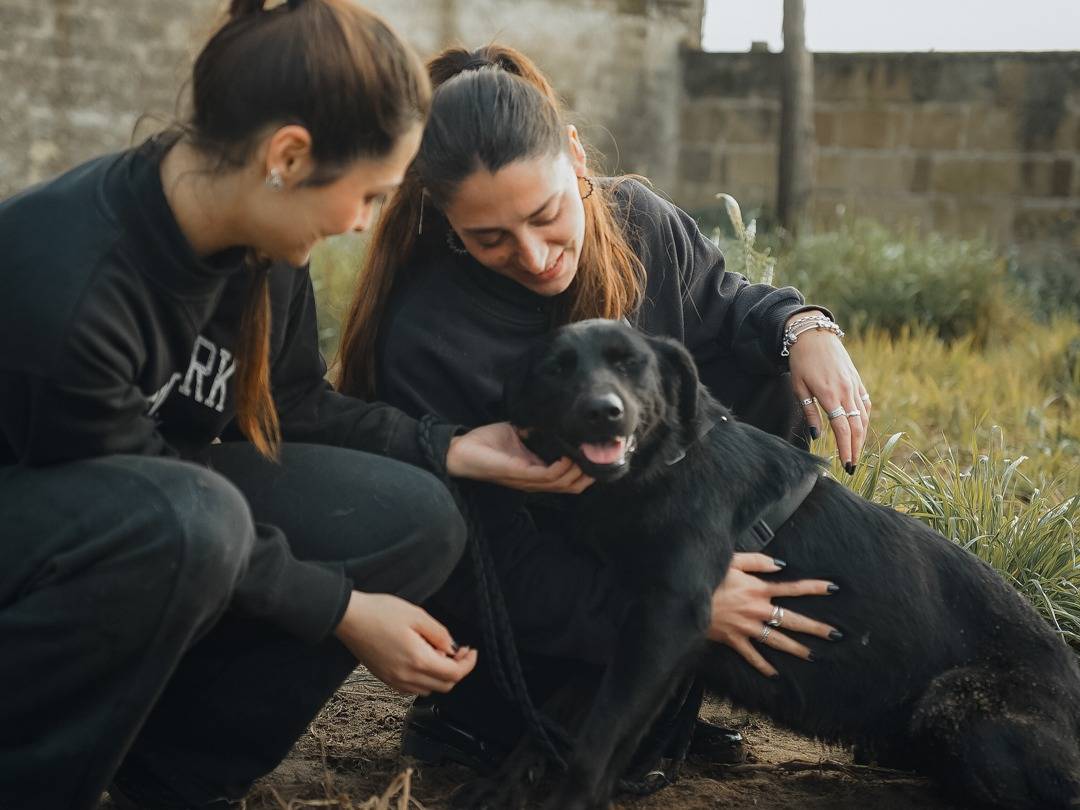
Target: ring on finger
<point>836,413</point>
<point>853,413</point>
<point>777,618</point>
<point>865,397</point>
<point>806,403</point>
<point>765,630</point>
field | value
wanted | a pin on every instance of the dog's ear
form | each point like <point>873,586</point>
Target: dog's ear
<point>516,375</point>
<point>682,388</point>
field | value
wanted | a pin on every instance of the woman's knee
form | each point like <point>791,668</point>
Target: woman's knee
<point>198,521</point>
<point>436,533</point>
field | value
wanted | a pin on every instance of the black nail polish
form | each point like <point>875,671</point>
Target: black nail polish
<point>454,647</point>
<point>779,563</point>
<point>833,587</point>
<point>814,432</point>
<point>811,658</point>
<point>835,635</point>
<point>849,468</point>
<point>775,676</point>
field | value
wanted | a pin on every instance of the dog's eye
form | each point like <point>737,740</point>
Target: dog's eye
<point>624,363</point>
<point>561,364</point>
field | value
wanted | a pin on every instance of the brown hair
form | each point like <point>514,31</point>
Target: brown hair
<point>491,107</point>
<point>328,65</point>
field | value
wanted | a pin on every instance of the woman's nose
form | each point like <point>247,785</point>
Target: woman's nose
<point>363,218</point>
<point>533,255</point>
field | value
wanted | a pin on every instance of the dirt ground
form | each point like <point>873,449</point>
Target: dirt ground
<point>349,760</point>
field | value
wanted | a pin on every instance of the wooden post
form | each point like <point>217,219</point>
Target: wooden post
<point>796,121</point>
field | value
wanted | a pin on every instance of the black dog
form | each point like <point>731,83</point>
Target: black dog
<point>943,666</point>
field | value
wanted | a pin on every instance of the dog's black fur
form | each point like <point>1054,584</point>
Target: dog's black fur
<point>943,665</point>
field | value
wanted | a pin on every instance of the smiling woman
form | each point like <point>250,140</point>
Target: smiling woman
<point>174,467</point>
<point>500,232</point>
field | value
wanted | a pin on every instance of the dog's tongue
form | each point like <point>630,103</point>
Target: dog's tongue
<point>609,452</point>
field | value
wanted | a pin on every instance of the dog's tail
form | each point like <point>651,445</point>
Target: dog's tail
<point>1001,738</point>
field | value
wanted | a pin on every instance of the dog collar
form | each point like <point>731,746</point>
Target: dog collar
<point>703,431</point>
<point>769,522</point>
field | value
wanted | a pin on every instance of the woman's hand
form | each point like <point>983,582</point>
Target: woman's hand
<point>821,369</point>
<point>494,453</point>
<point>402,645</point>
<point>742,606</point>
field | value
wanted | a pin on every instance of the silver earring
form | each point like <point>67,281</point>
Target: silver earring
<point>453,241</point>
<point>275,181</point>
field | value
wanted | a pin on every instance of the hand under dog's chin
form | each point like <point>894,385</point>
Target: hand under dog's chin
<point>550,448</point>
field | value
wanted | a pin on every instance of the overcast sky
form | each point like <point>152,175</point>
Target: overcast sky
<point>900,25</point>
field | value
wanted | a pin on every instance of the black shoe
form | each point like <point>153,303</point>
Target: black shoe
<point>716,744</point>
<point>430,737</point>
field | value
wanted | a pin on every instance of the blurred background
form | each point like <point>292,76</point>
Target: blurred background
<point>929,195</point>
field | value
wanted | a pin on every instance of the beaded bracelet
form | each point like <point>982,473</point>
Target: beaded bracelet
<point>806,324</point>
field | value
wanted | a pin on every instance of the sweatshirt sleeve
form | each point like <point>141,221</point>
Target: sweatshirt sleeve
<point>310,409</point>
<point>691,295</point>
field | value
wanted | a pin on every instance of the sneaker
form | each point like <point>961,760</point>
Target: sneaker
<point>430,737</point>
<point>716,744</point>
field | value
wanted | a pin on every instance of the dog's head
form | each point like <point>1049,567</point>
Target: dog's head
<point>608,397</point>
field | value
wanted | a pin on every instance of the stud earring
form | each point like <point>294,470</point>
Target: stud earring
<point>275,181</point>
<point>590,184</point>
<point>453,241</point>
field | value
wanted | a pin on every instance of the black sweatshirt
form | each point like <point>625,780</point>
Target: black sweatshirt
<point>116,338</point>
<point>453,328</point>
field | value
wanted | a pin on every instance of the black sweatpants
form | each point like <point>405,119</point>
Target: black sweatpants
<point>117,646</point>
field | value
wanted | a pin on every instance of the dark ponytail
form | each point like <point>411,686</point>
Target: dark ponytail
<point>328,65</point>
<point>491,107</point>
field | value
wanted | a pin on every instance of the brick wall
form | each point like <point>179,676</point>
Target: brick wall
<point>962,143</point>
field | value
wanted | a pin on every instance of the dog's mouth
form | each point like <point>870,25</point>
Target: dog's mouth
<point>609,453</point>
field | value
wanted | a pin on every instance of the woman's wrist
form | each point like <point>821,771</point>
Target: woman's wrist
<point>807,321</point>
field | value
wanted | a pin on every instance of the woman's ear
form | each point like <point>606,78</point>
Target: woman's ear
<point>288,151</point>
<point>578,158</point>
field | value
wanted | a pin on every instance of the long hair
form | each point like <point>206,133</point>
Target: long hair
<point>327,65</point>
<point>490,107</point>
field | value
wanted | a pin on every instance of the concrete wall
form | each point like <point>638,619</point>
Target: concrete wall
<point>961,143</point>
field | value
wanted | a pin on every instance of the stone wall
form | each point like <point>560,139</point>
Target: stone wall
<point>962,143</point>
<point>958,142</point>
<point>77,74</point>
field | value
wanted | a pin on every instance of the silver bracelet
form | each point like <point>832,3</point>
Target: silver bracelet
<point>807,323</point>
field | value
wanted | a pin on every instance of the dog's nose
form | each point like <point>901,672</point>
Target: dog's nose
<point>603,409</point>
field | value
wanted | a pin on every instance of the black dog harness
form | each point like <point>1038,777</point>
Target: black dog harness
<point>769,522</point>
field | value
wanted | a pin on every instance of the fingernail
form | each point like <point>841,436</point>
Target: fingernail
<point>811,658</point>
<point>779,563</point>
<point>849,468</point>
<point>833,587</point>
<point>814,433</point>
<point>454,647</point>
<point>775,676</point>
<point>835,635</point>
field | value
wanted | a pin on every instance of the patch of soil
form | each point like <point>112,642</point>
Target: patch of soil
<point>349,759</point>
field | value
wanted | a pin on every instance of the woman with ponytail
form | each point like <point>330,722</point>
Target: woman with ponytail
<point>500,232</point>
<point>200,537</point>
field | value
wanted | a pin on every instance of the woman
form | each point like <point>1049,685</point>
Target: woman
<point>500,232</point>
<point>169,628</point>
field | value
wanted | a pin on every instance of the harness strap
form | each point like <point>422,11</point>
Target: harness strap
<point>769,522</point>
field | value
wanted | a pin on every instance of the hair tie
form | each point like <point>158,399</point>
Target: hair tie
<point>478,62</point>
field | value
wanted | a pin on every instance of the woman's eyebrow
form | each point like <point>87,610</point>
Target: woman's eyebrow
<point>535,213</point>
